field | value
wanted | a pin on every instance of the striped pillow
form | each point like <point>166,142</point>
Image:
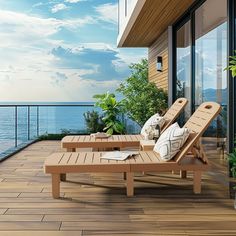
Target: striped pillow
<point>171,141</point>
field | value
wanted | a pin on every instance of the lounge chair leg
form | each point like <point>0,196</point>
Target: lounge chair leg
<point>71,149</point>
<point>124,176</point>
<point>183,174</point>
<point>63,177</point>
<point>130,184</point>
<point>55,185</point>
<point>197,175</point>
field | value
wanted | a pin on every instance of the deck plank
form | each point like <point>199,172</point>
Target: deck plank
<point>41,233</point>
<point>96,204</point>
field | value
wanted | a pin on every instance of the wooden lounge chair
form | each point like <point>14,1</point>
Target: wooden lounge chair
<point>120,141</point>
<point>189,158</point>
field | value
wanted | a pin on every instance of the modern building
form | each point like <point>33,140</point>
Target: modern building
<point>188,43</point>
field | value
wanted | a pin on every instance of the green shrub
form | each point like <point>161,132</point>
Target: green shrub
<point>111,109</point>
<point>47,136</point>
<point>232,161</point>
<point>93,122</point>
<point>232,65</point>
<point>142,99</point>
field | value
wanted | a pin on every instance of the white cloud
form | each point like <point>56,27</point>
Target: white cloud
<point>29,72</point>
<point>59,7</point>
<point>96,46</point>
<point>21,29</point>
<point>127,57</point>
<point>108,12</point>
<point>38,4</point>
<point>47,87</point>
<point>74,1</point>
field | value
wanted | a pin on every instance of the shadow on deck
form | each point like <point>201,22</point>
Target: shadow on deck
<point>96,204</point>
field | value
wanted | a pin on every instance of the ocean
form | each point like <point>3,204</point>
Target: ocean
<point>31,120</point>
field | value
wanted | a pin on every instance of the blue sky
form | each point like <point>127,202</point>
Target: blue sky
<point>60,50</point>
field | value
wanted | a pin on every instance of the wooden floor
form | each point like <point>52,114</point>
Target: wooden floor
<point>97,204</point>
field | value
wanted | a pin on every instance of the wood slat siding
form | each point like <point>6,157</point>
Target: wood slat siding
<point>159,48</point>
<point>152,21</point>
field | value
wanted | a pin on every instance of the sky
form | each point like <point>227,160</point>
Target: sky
<point>61,50</point>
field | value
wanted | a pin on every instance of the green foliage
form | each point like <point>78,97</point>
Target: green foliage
<point>142,99</point>
<point>51,137</point>
<point>232,156</point>
<point>232,161</point>
<point>47,136</point>
<point>232,65</point>
<point>93,122</point>
<point>111,109</point>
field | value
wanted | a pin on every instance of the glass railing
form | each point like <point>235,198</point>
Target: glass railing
<point>20,125</point>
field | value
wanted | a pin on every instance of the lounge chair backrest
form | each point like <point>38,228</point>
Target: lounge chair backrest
<point>173,112</point>
<point>197,124</point>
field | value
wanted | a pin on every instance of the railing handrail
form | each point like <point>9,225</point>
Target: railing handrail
<point>47,105</point>
<point>37,106</point>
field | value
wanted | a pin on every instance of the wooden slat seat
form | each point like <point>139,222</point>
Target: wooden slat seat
<point>150,161</point>
<point>190,158</point>
<point>72,162</point>
<point>71,142</point>
<point>60,163</point>
<point>86,141</point>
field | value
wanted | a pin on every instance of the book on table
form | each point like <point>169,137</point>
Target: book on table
<point>118,155</point>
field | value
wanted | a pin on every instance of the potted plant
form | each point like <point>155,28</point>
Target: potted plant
<point>112,109</point>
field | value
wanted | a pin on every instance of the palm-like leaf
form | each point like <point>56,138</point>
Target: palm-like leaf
<point>111,109</point>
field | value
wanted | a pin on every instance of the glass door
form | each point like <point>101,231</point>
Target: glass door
<point>211,59</point>
<point>183,66</point>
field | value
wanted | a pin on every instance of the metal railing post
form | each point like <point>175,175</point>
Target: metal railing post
<point>28,123</point>
<point>16,128</point>
<point>37,121</point>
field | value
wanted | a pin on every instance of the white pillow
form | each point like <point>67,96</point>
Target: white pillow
<point>171,141</point>
<point>153,121</point>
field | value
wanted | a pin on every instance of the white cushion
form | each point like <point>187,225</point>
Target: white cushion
<point>151,132</point>
<point>171,141</point>
<point>153,121</point>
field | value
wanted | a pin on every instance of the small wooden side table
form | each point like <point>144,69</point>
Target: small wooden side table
<point>147,145</point>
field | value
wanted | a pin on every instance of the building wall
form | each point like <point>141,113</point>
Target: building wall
<point>126,9</point>
<point>128,12</point>
<point>159,48</point>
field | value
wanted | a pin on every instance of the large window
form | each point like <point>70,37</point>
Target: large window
<point>211,58</point>
<point>183,66</point>
<point>200,62</point>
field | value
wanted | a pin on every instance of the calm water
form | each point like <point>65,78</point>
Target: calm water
<point>50,119</point>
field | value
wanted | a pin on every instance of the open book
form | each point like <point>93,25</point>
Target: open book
<point>118,155</point>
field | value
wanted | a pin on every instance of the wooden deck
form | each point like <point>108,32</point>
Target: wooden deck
<point>96,204</point>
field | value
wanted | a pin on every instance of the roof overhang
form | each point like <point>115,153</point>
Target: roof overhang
<point>149,20</point>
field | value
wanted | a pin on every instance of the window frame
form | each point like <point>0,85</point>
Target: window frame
<point>231,82</point>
